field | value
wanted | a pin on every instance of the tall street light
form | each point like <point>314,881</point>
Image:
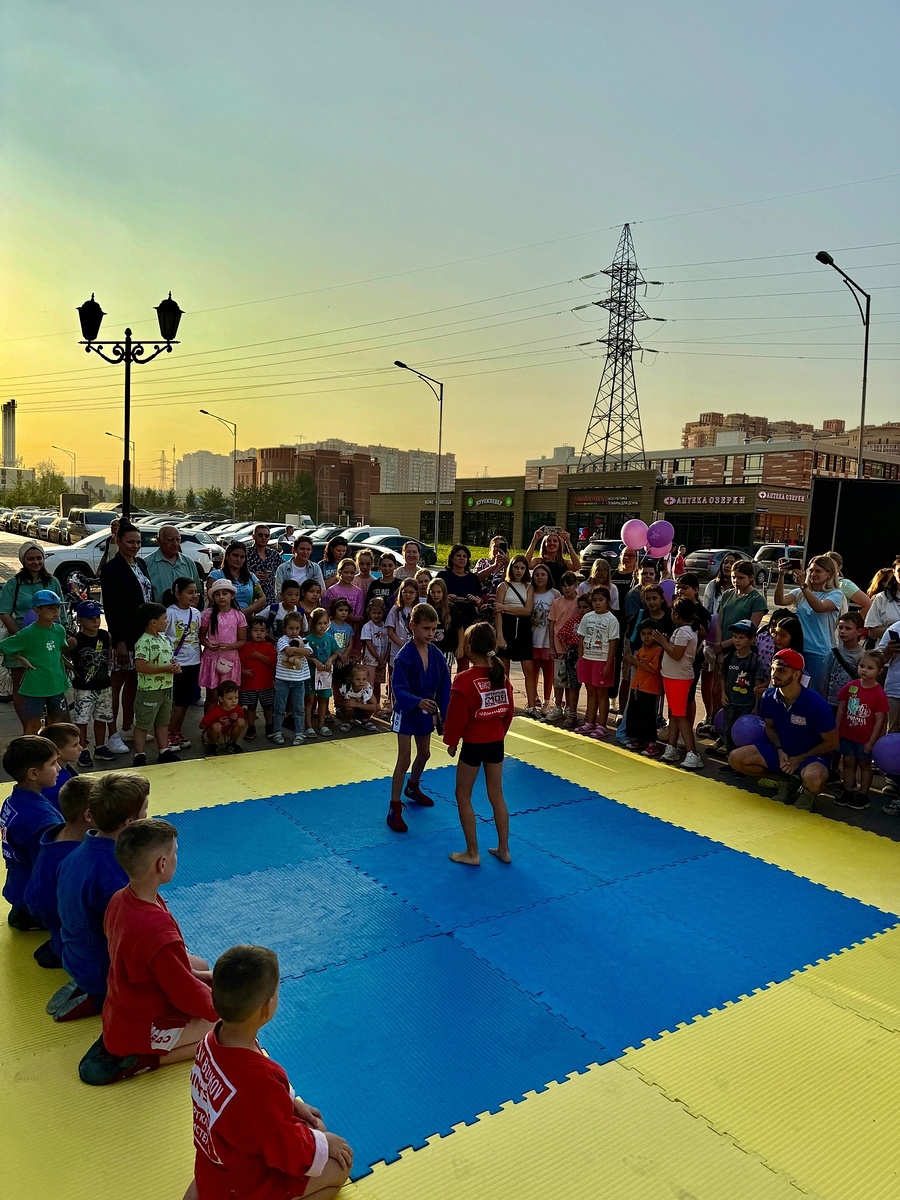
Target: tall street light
<point>126,351</point>
<point>865,312</point>
<point>438,388</point>
<point>232,425</point>
<point>321,471</point>
<point>71,454</point>
<point>119,438</point>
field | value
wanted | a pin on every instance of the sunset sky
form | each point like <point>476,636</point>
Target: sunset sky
<point>326,187</point>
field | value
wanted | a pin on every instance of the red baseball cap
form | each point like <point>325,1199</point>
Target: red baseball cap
<point>792,658</point>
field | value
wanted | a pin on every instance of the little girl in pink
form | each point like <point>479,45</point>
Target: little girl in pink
<point>223,627</point>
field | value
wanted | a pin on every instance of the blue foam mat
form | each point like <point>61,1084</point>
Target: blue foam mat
<point>312,914</point>
<point>776,918</point>
<point>352,816</point>
<point>452,895</point>
<point>610,840</point>
<point>525,788</point>
<point>613,968</point>
<point>237,839</point>
<point>397,1048</point>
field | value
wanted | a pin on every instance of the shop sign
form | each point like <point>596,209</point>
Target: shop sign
<point>444,501</point>
<point>793,497</point>
<point>705,501</point>
<point>489,501</point>
<point>618,501</point>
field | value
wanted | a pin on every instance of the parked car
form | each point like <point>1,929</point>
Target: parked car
<point>608,548</point>
<point>770,553</point>
<point>84,557</point>
<point>20,517</point>
<point>39,524</point>
<point>705,564</point>
<point>5,514</point>
<point>85,521</point>
<point>58,531</point>
<point>367,533</point>
<point>395,542</point>
<point>199,546</point>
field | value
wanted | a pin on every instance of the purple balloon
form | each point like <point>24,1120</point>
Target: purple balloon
<point>748,730</point>
<point>886,753</point>
<point>660,533</point>
<point>659,551</point>
<point>668,589</point>
<point>634,534</point>
<point>719,722</point>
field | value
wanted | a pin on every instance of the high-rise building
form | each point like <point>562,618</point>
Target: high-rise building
<point>9,433</point>
<point>202,469</point>
<point>401,470</point>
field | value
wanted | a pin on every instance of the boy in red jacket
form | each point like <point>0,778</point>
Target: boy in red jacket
<point>480,712</point>
<point>158,1002</point>
<point>255,1139</point>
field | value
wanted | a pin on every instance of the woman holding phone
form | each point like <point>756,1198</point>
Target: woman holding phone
<point>555,547</point>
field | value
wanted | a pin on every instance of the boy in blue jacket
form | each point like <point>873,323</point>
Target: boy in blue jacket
<point>32,762</point>
<point>88,879</point>
<point>57,843</point>
<point>420,682</point>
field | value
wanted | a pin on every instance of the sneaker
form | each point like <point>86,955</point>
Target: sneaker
<point>210,750</point>
<point>85,760</point>
<point>857,801</point>
<point>892,808</point>
<point>704,729</point>
<point>99,1068</point>
<point>890,789</point>
<point>250,735</point>
<point>843,798</point>
<point>652,751</point>
<point>670,755</point>
<point>233,748</point>
<point>413,792</point>
<point>299,739</point>
<point>45,956</point>
<point>116,744</point>
<point>530,712</point>
<point>346,727</point>
<point>168,756</point>
<point>726,769</point>
<point>140,760</point>
<point>277,739</point>
<point>570,722</point>
<point>310,732</point>
<point>269,730</point>
<point>805,801</point>
<point>692,761</point>
<point>105,754</point>
<point>553,714</point>
<point>326,732</point>
<point>395,817</point>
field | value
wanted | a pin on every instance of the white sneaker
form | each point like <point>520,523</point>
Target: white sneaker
<point>116,744</point>
<point>692,761</point>
<point>553,714</point>
<point>299,740</point>
<point>670,755</point>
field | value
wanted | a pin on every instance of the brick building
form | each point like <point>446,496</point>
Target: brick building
<point>344,482</point>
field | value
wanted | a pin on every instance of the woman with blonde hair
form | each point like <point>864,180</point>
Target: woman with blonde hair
<point>818,602</point>
<point>600,576</point>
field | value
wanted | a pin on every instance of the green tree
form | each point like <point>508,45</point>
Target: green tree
<point>190,500</point>
<point>171,499</point>
<point>212,500</point>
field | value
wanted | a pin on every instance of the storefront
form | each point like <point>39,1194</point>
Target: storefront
<point>781,516</point>
<point>486,515</point>
<point>709,518</point>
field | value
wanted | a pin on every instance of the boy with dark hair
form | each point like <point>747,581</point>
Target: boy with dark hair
<point>88,879</point>
<point>155,663</point>
<point>66,739</point>
<point>159,1003</point>
<point>263,1141</point>
<point>289,603</point>
<point>223,725</point>
<point>25,815</point>
<point>57,843</point>
<point>741,671</point>
<point>39,649</point>
<point>845,655</point>
<point>89,652</point>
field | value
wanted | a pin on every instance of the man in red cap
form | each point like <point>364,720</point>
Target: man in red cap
<point>801,736</point>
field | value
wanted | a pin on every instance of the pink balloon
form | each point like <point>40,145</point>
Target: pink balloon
<point>634,534</point>
<point>660,533</point>
<point>659,551</point>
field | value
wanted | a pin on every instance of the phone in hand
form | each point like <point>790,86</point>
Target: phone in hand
<point>894,636</point>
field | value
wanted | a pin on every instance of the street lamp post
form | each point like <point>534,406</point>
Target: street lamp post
<point>438,388</point>
<point>232,425</point>
<point>865,312</point>
<point>126,351</point>
<point>119,438</point>
<point>71,454</point>
<point>321,471</point>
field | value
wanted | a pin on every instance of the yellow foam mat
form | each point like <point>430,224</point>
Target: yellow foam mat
<point>808,1086</point>
<point>865,980</point>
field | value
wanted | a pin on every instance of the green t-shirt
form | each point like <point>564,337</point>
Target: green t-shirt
<point>154,648</point>
<point>43,649</point>
<point>16,596</point>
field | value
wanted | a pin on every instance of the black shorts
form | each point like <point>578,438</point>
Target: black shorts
<point>184,686</point>
<point>517,635</point>
<point>473,754</point>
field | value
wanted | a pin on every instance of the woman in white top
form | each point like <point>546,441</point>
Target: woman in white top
<point>885,609</point>
<point>818,602</point>
<point>513,606</point>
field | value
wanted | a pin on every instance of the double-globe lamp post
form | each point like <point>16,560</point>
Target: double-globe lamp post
<point>865,312</point>
<point>126,351</point>
<point>232,425</point>
<point>438,388</point>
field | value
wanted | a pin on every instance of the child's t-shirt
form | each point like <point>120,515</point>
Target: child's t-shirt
<point>377,635</point>
<point>226,717</point>
<point>342,634</point>
<point>354,597</point>
<point>892,680</point>
<point>88,879</point>
<point>40,892</point>
<point>387,591</point>
<point>43,648</point>
<point>540,618</point>
<point>323,646</point>
<point>24,818</point>
<point>644,679</point>
<point>598,630</point>
<point>741,676</point>
<point>844,661</point>
<point>183,631</point>
<point>363,694</point>
<point>863,706</point>
<point>154,648</point>
<point>249,1140</point>
<point>277,613</point>
<point>398,620</point>
<point>681,668</point>
<point>283,670</point>
<point>90,662</point>
<point>561,610</point>
<point>257,675</point>
<point>151,984</point>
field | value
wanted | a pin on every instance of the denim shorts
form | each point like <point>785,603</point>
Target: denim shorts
<point>856,750</point>
<point>33,706</point>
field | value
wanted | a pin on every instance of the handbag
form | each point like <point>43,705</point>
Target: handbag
<point>224,666</point>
